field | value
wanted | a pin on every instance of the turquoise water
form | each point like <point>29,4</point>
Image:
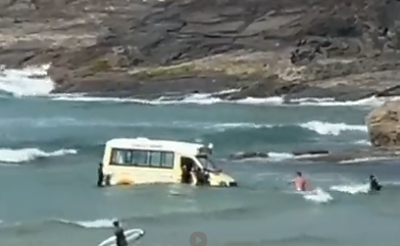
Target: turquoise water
<point>50,149</point>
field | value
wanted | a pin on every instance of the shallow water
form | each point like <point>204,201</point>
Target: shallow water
<point>51,146</point>
<point>49,197</point>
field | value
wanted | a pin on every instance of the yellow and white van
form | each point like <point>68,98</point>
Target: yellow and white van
<point>130,161</point>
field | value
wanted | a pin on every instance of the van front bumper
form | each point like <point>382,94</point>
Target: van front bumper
<point>228,184</point>
<point>233,184</point>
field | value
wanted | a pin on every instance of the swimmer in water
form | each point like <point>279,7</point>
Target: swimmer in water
<point>300,182</point>
<point>119,235</point>
<point>373,184</point>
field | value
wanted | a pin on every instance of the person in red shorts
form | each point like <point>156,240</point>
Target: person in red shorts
<point>300,182</point>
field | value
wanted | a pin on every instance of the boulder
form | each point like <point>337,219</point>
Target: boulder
<point>383,125</point>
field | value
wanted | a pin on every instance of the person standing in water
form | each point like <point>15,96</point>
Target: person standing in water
<point>300,182</point>
<point>100,175</point>
<point>120,239</point>
<point>373,184</point>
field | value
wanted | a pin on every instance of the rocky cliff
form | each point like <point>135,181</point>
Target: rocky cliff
<point>345,49</point>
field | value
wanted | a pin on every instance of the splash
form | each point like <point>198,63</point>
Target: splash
<point>29,154</point>
<point>351,188</point>
<point>30,81</point>
<point>317,195</point>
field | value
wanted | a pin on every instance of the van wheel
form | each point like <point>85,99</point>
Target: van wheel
<point>223,184</point>
<point>107,180</point>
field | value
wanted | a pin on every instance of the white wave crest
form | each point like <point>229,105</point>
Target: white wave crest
<point>330,102</point>
<point>351,188</point>
<point>209,98</point>
<point>258,101</point>
<point>366,159</point>
<point>363,142</point>
<point>29,154</point>
<point>326,128</point>
<point>29,81</point>
<point>99,223</point>
<point>195,98</point>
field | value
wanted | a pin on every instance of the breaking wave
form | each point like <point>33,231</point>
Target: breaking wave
<point>326,128</point>
<point>30,81</point>
<point>29,154</point>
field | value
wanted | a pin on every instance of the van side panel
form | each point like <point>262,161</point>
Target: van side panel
<point>142,172</point>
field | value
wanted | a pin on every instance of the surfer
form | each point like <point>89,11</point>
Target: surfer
<point>300,182</point>
<point>373,184</point>
<point>119,235</point>
<point>100,175</point>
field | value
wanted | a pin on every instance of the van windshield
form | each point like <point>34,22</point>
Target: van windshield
<point>207,163</point>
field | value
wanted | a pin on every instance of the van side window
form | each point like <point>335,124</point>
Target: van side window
<point>155,158</point>
<point>120,157</point>
<point>167,160</point>
<point>139,158</point>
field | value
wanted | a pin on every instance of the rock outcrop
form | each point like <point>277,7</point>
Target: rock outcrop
<point>247,155</point>
<point>384,125</point>
<point>310,152</point>
<point>345,49</point>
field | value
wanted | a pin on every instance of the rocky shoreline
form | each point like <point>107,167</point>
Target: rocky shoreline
<point>349,156</point>
<point>342,49</point>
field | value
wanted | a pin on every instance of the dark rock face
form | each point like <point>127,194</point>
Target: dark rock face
<point>345,49</point>
<point>311,152</point>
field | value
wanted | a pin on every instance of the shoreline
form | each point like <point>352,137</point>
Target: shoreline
<point>222,91</point>
<point>136,48</point>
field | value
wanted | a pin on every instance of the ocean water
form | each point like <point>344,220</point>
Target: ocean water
<point>51,144</point>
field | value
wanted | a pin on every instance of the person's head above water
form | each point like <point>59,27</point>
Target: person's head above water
<point>371,177</point>
<point>116,223</point>
<point>298,174</point>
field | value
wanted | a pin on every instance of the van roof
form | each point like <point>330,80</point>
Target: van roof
<point>154,144</point>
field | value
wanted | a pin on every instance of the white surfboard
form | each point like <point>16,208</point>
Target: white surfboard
<point>131,235</point>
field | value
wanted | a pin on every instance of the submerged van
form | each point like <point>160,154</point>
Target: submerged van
<point>129,161</point>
